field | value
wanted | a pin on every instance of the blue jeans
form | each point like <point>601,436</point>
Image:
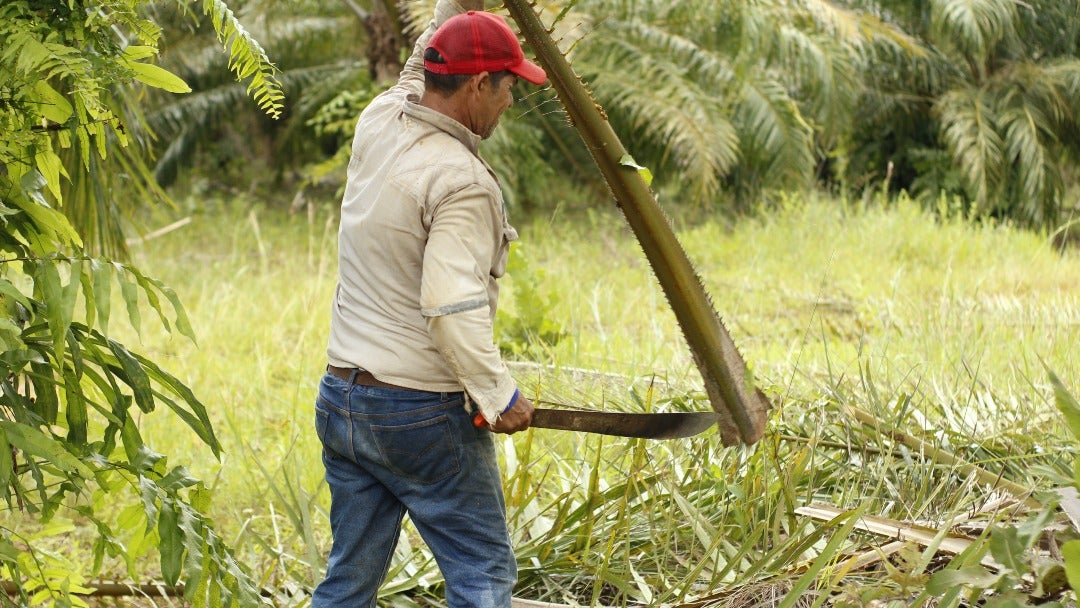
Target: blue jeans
<point>391,451</point>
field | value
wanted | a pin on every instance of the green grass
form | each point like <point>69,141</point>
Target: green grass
<point>936,328</point>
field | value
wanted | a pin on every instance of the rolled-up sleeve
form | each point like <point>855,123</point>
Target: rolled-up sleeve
<point>454,299</point>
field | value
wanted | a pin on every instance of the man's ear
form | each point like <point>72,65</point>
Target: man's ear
<point>483,81</point>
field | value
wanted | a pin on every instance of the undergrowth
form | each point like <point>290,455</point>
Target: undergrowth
<point>904,353</point>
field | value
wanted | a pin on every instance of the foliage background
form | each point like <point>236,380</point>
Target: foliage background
<point>906,291</point>
<point>728,102</point>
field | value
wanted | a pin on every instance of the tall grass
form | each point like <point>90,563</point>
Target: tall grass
<point>904,352</point>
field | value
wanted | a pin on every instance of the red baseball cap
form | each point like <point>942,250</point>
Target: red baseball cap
<point>478,41</point>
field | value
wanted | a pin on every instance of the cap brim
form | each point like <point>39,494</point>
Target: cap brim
<point>530,71</point>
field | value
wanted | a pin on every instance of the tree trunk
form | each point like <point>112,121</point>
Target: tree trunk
<point>385,41</point>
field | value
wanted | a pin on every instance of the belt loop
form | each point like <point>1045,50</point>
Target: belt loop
<point>352,375</point>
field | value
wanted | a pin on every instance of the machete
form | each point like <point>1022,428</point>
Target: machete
<point>667,425</point>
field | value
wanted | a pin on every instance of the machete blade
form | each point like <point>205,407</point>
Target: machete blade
<point>671,425</point>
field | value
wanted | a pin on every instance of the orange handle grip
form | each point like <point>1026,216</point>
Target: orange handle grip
<point>479,421</point>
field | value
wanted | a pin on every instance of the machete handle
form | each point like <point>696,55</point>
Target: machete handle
<point>479,421</point>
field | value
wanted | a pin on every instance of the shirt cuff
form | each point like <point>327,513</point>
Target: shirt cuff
<point>512,400</point>
<point>492,401</point>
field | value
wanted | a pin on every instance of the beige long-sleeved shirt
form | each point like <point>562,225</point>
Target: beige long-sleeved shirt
<point>423,238</point>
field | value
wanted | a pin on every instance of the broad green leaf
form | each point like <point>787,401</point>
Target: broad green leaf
<point>200,497</point>
<point>138,53</point>
<point>52,106</point>
<point>10,335</point>
<point>129,431</point>
<point>194,533</point>
<point>177,479</point>
<point>33,182</point>
<point>1008,549</point>
<point>134,376</point>
<point>1066,403</point>
<point>148,492</point>
<point>159,77</point>
<point>132,518</point>
<point>628,161</point>
<point>197,418</point>
<point>46,402</point>
<point>972,576</point>
<point>5,462</point>
<point>1070,551</point>
<point>199,576</point>
<point>1029,531</point>
<point>7,289</point>
<point>47,280</point>
<point>8,552</point>
<point>141,457</point>
<point>71,293</point>
<point>38,444</point>
<point>172,544</point>
<point>51,167</point>
<point>130,293</point>
<point>147,284</point>
<point>102,273</point>
<point>86,280</point>
<point>32,54</point>
<point>50,223</point>
<point>75,343</point>
<point>75,409</point>
<point>183,324</point>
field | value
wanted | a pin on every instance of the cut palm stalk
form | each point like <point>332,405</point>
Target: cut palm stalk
<point>742,407</point>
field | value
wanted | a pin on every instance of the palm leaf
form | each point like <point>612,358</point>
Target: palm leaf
<point>973,27</point>
<point>776,142</point>
<point>689,124</point>
<point>971,132</point>
<point>247,59</point>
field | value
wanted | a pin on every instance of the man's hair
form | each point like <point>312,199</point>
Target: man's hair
<point>448,84</point>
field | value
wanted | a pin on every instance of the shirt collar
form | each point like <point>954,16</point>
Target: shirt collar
<point>460,132</point>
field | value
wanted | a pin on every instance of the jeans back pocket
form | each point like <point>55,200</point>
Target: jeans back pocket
<point>425,452</point>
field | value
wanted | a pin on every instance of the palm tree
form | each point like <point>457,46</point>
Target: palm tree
<point>990,114</point>
<point>317,48</point>
<point>712,95</point>
<point>723,95</point>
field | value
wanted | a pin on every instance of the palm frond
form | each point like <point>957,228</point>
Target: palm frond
<point>688,126</point>
<point>654,98</point>
<point>709,69</point>
<point>859,28</point>
<point>185,123</point>
<point>247,59</point>
<point>1065,74</point>
<point>973,27</point>
<point>1024,148</point>
<point>971,132</point>
<point>824,74</point>
<point>776,141</point>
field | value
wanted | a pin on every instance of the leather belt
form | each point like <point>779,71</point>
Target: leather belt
<point>362,377</point>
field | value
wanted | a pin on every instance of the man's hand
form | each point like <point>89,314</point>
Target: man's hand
<point>518,418</point>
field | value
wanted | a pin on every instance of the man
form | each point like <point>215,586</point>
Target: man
<point>411,351</point>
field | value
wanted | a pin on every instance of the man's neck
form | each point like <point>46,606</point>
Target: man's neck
<point>450,106</point>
